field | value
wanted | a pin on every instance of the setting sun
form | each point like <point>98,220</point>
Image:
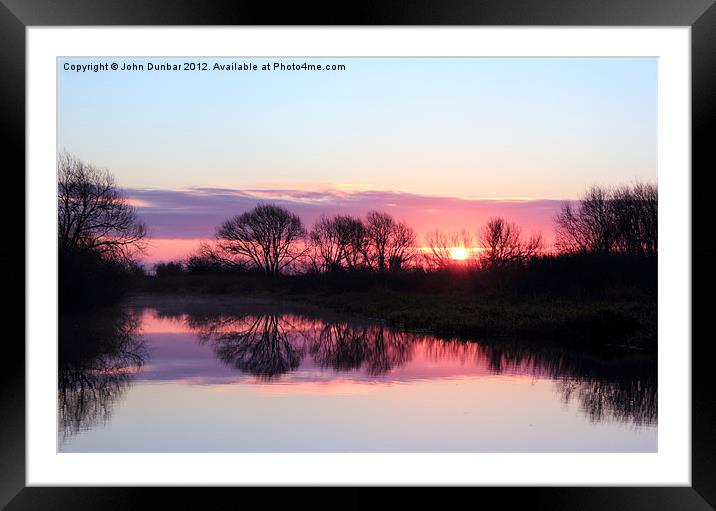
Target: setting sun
<point>458,253</point>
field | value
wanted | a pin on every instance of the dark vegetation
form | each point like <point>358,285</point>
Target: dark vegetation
<point>600,287</point>
<point>99,236</point>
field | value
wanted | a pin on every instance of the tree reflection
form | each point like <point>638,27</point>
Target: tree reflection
<point>98,355</point>
<point>270,345</point>
<point>608,385</point>
<point>345,346</point>
<point>340,346</point>
<point>260,345</point>
<point>624,400</point>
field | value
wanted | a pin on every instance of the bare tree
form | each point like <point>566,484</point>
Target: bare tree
<point>634,211</point>
<point>647,195</point>
<point>401,246</point>
<point>589,226</point>
<point>337,243</point>
<point>267,238</point>
<point>93,214</point>
<point>441,246</point>
<point>326,245</point>
<point>212,256</point>
<point>379,226</point>
<point>622,219</point>
<point>503,244</point>
<point>389,244</point>
<point>353,233</point>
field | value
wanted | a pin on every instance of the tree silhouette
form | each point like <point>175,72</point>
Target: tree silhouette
<point>267,238</point>
<point>401,246</point>
<point>503,244</point>
<point>353,233</point>
<point>99,236</point>
<point>440,245</point>
<point>620,220</point>
<point>635,219</point>
<point>378,228</point>
<point>93,214</point>
<point>589,226</point>
<point>389,244</point>
<point>337,243</point>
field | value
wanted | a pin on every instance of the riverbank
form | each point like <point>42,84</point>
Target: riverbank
<point>629,324</point>
<point>623,318</point>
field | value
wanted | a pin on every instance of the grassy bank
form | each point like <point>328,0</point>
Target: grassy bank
<point>631,324</point>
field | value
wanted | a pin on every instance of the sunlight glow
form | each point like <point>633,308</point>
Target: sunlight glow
<point>458,253</point>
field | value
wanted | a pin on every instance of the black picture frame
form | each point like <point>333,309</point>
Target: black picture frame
<point>700,15</point>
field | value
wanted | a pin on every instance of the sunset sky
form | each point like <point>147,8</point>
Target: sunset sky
<point>439,142</point>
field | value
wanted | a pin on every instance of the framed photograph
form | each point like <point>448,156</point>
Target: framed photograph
<point>402,246</point>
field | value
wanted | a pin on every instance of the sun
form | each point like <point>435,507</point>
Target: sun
<point>458,253</point>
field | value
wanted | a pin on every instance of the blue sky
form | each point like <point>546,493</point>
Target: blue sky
<point>536,127</point>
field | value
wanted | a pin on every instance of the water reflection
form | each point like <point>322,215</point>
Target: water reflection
<point>98,356</point>
<point>632,401</point>
<point>270,345</point>
<point>373,348</point>
<point>608,385</point>
<point>613,385</point>
<point>260,345</point>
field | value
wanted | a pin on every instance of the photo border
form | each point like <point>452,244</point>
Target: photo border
<point>700,16</point>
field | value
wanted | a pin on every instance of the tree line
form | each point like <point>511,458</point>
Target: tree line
<point>610,220</point>
<point>98,229</point>
<point>270,239</point>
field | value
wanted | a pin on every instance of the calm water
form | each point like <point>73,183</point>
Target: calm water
<point>213,376</point>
